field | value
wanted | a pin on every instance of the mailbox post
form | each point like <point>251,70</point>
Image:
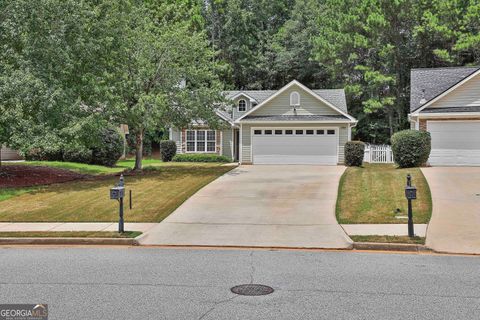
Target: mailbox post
<point>410,194</point>
<point>118,193</point>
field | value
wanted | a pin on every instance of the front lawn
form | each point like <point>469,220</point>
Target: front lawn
<point>155,196</point>
<point>375,193</point>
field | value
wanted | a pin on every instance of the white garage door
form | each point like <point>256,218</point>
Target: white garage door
<point>454,143</point>
<point>294,146</point>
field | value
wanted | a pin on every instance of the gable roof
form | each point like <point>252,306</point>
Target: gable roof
<point>315,95</point>
<point>334,96</point>
<point>430,83</point>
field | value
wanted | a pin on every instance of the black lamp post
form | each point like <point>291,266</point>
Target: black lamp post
<point>410,194</point>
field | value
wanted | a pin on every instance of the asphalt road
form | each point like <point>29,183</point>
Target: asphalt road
<point>152,283</point>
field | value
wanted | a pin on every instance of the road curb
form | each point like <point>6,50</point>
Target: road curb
<point>390,246</point>
<point>69,241</point>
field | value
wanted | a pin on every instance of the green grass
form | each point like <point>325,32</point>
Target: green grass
<point>122,165</point>
<point>375,193</point>
<point>155,196</point>
<point>389,239</point>
<point>7,193</point>
<point>70,234</point>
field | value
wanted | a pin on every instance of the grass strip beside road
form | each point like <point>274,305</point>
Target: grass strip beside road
<point>389,239</point>
<point>70,234</point>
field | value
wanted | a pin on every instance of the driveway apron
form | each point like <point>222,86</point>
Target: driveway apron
<point>259,206</point>
<point>455,223</point>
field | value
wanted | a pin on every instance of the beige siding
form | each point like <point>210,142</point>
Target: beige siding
<point>467,94</point>
<point>246,142</point>
<point>9,154</point>
<point>280,105</point>
<point>227,143</point>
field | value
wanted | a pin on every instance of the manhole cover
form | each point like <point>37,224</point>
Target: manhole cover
<point>252,290</point>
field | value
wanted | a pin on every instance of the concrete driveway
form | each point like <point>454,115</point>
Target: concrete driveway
<point>455,223</point>
<point>259,206</point>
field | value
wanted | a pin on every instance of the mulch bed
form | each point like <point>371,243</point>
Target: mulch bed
<point>12,176</point>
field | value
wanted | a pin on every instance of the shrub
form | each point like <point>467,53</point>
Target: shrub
<point>44,154</point>
<point>354,152</point>
<point>77,154</point>
<point>109,149</point>
<point>411,148</point>
<point>168,149</point>
<point>200,157</point>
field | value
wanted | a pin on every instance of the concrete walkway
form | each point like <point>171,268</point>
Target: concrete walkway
<point>259,206</point>
<point>383,229</point>
<point>455,223</point>
<point>72,226</point>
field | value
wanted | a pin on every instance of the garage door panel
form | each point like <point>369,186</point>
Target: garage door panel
<point>295,149</point>
<point>454,143</point>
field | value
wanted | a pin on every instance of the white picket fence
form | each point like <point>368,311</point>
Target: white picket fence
<point>378,154</point>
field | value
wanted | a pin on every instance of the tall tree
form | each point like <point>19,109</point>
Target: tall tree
<point>165,74</point>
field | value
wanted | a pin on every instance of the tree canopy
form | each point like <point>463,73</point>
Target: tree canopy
<point>68,67</point>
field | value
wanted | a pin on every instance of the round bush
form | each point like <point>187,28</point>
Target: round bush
<point>411,148</point>
<point>44,154</point>
<point>168,149</point>
<point>110,148</point>
<point>354,152</point>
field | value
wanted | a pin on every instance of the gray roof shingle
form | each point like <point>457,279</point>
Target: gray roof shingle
<point>452,109</point>
<point>429,83</point>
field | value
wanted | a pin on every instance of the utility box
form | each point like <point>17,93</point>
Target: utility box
<point>117,193</point>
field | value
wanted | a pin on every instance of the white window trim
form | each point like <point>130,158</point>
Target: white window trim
<point>195,141</point>
<point>298,96</point>
<point>245,101</point>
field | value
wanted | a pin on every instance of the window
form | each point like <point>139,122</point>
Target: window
<point>257,131</point>
<point>278,131</point>
<point>242,105</point>
<point>298,131</point>
<point>294,99</point>
<point>201,141</point>
<point>288,131</point>
<point>330,131</point>
<point>309,131</point>
<point>320,131</point>
<point>268,131</point>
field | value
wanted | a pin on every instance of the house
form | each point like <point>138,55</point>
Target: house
<point>9,154</point>
<point>446,103</point>
<point>293,125</point>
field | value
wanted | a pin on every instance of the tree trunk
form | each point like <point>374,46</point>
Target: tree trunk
<point>138,150</point>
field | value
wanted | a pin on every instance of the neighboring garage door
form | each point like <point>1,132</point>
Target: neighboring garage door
<point>454,143</point>
<point>294,146</point>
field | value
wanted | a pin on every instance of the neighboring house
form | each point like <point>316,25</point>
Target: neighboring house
<point>446,103</point>
<point>293,125</point>
<point>9,154</point>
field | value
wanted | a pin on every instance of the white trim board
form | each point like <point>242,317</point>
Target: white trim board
<point>295,82</point>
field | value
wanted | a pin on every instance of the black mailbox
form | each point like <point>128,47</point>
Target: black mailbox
<point>117,193</point>
<point>411,193</point>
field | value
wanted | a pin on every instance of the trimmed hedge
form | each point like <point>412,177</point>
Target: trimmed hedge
<point>411,148</point>
<point>200,157</point>
<point>354,153</point>
<point>77,154</point>
<point>168,149</point>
